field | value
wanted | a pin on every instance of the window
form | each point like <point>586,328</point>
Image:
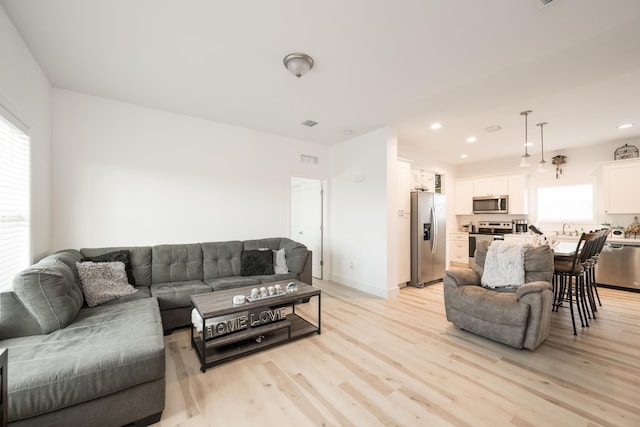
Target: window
<point>566,203</point>
<point>15,202</point>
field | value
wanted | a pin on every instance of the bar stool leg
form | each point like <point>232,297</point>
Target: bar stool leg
<point>573,319</point>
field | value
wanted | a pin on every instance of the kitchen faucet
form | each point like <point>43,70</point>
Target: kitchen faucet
<point>565,225</point>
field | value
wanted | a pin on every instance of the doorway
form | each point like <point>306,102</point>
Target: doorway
<point>307,218</point>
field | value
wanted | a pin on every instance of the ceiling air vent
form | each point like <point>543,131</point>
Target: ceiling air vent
<point>495,128</point>
<point>305,158</point>
<point>309,123</point>
<point>545,2</point>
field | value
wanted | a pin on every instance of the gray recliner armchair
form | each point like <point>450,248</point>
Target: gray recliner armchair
<point>519,317</point>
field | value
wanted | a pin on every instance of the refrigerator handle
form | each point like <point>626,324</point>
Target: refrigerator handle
<point>434,220</point>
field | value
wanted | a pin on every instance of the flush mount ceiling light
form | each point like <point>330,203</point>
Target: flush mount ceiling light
<point>298,64</point>
<point>524,163</point>
<point>542,165</point>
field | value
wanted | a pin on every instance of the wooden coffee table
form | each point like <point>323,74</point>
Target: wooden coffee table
<point>231,330</point>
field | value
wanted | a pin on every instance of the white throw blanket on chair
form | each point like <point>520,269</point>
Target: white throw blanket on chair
<point>504,265</point>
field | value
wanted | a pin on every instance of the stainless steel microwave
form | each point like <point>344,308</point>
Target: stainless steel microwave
<point>491,204</point>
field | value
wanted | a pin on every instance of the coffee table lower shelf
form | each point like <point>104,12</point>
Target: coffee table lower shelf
<point>241,343</point>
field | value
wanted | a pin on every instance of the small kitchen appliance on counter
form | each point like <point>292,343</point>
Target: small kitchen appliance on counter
<point>520,226</point>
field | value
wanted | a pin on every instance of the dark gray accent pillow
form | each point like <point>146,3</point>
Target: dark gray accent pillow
<point>256,263</point>
<point>117,256</point>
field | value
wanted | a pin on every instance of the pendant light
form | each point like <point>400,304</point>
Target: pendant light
<point>524,163</point>
<point>542,165</point>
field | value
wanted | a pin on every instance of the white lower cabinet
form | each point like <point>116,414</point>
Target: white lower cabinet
<point>459,248</point>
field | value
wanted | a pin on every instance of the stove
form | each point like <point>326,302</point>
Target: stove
<point>495,228</point>
<point>487,230</point>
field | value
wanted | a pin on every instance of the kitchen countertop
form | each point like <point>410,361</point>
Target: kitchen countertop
<point>610,239</point>
<point>567,238</point>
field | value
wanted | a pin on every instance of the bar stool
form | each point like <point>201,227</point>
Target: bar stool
<point>593,286</point>
<point>570,279</point>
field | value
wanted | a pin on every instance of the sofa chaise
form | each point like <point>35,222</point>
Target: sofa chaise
<point>71,364</point>
<point>519,317</point>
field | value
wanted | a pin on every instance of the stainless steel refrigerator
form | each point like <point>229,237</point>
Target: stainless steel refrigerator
<point>428,238</point>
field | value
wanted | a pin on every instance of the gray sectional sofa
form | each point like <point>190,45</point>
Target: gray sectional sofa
<point>70,364</point>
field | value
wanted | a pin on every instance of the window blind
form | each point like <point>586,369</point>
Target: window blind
<point>15,203</point>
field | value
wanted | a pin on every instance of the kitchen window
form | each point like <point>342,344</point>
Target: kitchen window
<point>15,201</point>
<point>566,203</point>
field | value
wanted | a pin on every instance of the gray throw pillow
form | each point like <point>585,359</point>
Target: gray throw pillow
<point>116,256</point>
<point>103,281</point>
<point>280,262</point>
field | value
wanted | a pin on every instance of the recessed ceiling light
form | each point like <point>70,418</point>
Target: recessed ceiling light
<point>472,139</point>
<point>436,125</point>
<point>463,156</point>
<point>348,131</point>
<point>625,126</point>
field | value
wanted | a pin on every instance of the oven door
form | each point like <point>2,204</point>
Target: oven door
<point>474,239</point>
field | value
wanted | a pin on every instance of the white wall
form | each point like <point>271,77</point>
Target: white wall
<point>363,199</point>
<point>128,175</point>
<point>25,91</point>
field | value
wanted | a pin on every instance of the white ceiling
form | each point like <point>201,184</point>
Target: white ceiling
<point>469,64</point>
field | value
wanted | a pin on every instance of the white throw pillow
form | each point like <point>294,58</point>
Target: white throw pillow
<point>103,281</point>
<point>504,265</point>
<point>280,262</point>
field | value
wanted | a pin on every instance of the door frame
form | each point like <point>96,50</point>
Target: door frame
<point>323,221</point>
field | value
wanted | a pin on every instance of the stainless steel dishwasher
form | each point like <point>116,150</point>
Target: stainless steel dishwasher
<point>619,266</point>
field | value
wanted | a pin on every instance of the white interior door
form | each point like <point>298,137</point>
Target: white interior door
<point>307,219</point>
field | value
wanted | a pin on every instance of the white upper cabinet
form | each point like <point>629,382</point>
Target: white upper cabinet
<point>492,186</point>
<point>464,196</point>
<point>620,181</point>
<point>515,186</point>
<point>518,194</point>
<point>404,187</point>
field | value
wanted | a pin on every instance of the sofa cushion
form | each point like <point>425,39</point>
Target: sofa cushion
<point>222,283</point>
<point>140,258</point>
<point>99,354</point>
<point>122,256</point>
<point>487,304</point>
<point>176,263</point>
<point>221,259</point>
<point>177,294</point>
<point>256,262</point>
<point>538,262</point>
<point>141,292</point>
<point>495,315</point>
<point>15,319</point>
<point>49,291</point>
<point>276,278</point>
<point>103,281</point>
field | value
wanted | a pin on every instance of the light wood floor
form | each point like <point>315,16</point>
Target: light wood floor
<point>398,362</point>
